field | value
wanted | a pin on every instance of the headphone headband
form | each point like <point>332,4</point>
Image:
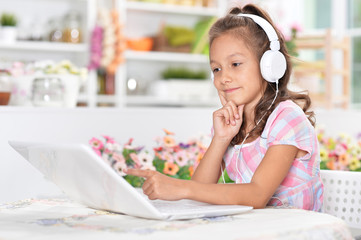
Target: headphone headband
<point>267,27</point>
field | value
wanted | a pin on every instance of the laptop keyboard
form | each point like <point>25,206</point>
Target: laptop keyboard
<point>186,206</point>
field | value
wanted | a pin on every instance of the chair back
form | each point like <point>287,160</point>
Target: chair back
<point>342,195</point>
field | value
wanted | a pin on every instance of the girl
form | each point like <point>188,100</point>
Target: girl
<point>263,135</point>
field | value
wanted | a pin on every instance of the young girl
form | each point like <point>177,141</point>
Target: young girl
<point>263,135</point>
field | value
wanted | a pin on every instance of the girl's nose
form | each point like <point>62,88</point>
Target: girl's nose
<point>226,78</point>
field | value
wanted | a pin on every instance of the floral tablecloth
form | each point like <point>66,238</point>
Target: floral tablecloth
<point>64,219</point>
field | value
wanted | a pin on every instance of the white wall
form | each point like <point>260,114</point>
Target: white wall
<point>19,180</point>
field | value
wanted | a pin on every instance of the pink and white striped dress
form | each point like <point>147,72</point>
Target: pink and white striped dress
<point>287,125</point>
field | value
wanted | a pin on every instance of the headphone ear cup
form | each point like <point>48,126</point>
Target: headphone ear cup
<point>273,65</point>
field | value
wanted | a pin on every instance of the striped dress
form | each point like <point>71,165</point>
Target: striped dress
<point>287,125</point>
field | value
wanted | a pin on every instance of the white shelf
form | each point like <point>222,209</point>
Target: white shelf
<point>166,57</point>
<point>102,98</point>
<point>155,101</point>
<point>45,46</point>
<point>174,9</point>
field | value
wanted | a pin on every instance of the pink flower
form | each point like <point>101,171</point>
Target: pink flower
<point>135,158</point>
<point>108,139</point>
<point>128,145</point>
<point>340,149</point>
<point>181,158</point>
<point>96,143</point>
<point>167,156</point>
<point>119,158</point>
<point>120,168</point>
<point>145,159</point>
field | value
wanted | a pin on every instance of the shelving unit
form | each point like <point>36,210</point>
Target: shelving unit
<point>328,97</point>
<point>144,19</point>
<point>166,57</point>
<point>45,46</point>
<point>41,11</point>
<point>174,9</point>
<point>145,66</point>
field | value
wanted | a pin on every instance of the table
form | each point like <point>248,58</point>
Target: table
<point>61,218</point>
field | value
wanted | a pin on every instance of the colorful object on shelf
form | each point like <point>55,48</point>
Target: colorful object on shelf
<point>340,153</point>
<point>8,20</point>
<point>96,42</point>
<point>108,52</point>
<point>23,74</point>
<point>184,73</point>
<point>177,160</point>
<point>119,44</point>
<point>174,39</point>
<point>179,35</point>
<point>200,44</point>
<point>72,31</point>
<point>8,29</point>
<point>140,44</point>
<point>111,39</point>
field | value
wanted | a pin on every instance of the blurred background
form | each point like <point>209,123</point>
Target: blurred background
<point>122,53</point>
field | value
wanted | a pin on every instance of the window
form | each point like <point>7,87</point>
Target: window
<point>354,24</point>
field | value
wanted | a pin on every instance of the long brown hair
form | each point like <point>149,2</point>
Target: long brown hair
<point>257,41</point>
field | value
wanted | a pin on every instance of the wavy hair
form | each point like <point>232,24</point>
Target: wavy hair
<point>257,41</point>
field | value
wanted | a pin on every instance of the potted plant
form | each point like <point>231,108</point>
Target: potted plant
<point>8,28</point>
<point>183,84</point>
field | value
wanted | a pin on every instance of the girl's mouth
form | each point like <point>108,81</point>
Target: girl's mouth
<point>231,90</point>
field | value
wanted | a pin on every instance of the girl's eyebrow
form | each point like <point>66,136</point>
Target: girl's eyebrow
<point>237,54</point>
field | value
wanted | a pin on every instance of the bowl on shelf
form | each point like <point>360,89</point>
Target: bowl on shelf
<point>140,44</point>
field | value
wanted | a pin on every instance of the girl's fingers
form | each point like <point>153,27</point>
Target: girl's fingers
<point>226,116</point>
<point>231,114</point>
<point>234,109</point>
<point>223,99</point>
<point>139,172</point>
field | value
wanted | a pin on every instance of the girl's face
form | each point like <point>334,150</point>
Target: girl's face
<point>237,75</point>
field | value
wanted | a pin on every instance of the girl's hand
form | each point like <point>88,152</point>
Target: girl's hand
<point>160,186</point>
<point>227,120</point>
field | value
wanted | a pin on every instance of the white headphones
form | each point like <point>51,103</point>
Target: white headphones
<point>273,62</point>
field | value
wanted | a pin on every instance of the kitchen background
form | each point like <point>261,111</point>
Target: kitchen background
<point>104,53</point>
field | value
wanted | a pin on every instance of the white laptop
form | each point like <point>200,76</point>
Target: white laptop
<point>86,178</point>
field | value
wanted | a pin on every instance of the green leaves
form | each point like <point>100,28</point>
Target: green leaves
<point>8,20</point>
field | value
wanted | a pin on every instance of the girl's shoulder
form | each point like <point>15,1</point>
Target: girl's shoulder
<point>286,108</point>
<point>287,112</point>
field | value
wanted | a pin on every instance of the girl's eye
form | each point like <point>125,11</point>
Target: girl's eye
<point>216,70</point>
<point>236,64</point>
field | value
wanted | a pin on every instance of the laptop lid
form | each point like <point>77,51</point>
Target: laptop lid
<point>87,178</point>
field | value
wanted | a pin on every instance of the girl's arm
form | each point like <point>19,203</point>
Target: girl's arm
<point>268,176</point>
<point>226,123</point>
<point>209,169</point>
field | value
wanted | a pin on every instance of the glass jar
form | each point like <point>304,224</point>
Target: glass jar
<point>72,32</point>
<point>48,91</point>
<point>55,33</point>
